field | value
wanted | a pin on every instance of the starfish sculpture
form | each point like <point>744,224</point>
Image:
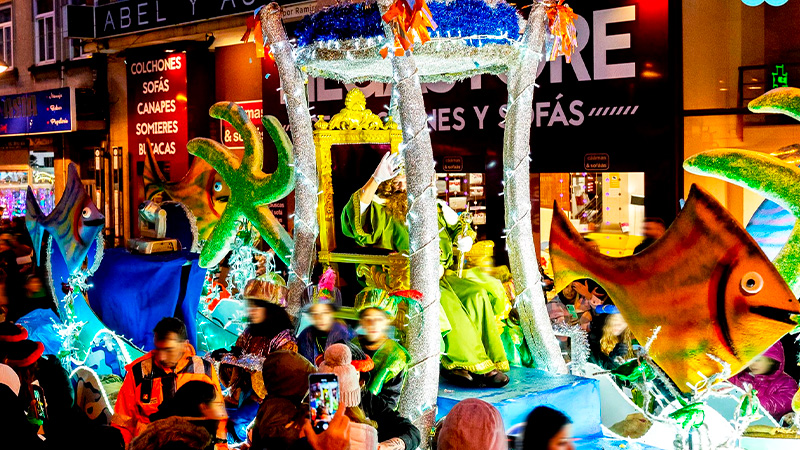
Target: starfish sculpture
<point>252,190</point>
<point>767,175</point>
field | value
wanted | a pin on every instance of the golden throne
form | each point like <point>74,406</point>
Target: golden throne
<point>352,127</point>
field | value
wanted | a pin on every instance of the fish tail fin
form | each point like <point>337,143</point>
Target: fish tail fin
<point>571,257</point>
<point>154,180</point>
<point>33,216</point>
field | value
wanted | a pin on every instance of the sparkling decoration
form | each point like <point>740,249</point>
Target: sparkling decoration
<point>248,361</point>
<point>530,300</point>
<point>782,100</point>
<point>251,189</point>
<point>453,18</point>
<point>306,192</point>
<point>579,343</point>
<point>13,200</point>
<point>562,41</point>
<point>419,404</point>
<point>473,37</point>
<point>241,262</point>
<point>768,176</point>
<point>409,24</point>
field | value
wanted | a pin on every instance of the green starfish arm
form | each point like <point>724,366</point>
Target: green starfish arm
<point>782,100</point>
<point>284,174</point>
<point>768,176</point>
<point>219,242</point>
<point>251,188</point>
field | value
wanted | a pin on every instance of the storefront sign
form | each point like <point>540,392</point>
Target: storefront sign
<point>230,137</point>
<point>131,16</point>
<point>39,112</point>
<point>157,108</point>
<point>596,162</point>
<point>452,164</point>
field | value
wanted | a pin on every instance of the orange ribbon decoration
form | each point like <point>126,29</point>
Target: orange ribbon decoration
<point>406,20</point>
<point>254,24</point>
<point>561,22</point>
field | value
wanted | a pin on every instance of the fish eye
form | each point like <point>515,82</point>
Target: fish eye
<point>752,282</point>
<point>86,213</point>
<point>218,186</point>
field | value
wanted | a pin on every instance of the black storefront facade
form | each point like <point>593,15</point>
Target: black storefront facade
<point>618,98</point>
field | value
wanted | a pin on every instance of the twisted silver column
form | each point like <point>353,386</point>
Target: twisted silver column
<point>306,227</point>
<point>418,401</point>
<point>516,178</point>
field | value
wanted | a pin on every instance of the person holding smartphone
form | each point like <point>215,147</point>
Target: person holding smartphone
<point>283,413</point>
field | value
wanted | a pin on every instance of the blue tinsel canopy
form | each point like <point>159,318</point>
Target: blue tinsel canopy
<point>499,23</point>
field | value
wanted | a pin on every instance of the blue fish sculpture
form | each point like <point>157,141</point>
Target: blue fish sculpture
<point>74,223</point>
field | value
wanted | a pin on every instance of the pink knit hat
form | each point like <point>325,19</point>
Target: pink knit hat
<point>9,378</point>
<point>338,360</point>
<point>473,424</point>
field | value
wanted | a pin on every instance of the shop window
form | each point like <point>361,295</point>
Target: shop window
<point>76,45</point>
<point>605,207</point>
<point>45,31</point>
<point>6,36</point>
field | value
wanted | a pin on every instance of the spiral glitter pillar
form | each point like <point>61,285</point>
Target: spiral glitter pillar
<point>306,190</point>
<point>418,401</point>
<point>530,301</point>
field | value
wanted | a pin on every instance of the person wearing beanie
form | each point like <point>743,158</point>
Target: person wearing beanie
<point>395,432</point>
<point>11,332</point>
<point>270,329</point>
<point>547,429</point>
<point>338,360</point>
<point>473,424</point>
<point>321,302</point>
<point>281,416</point>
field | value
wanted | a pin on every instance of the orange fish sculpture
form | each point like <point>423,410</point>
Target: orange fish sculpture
<point>705,282</point>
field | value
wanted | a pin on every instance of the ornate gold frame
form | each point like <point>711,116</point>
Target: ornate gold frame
<point>353,125</point>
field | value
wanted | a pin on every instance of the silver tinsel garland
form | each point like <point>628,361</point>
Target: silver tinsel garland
<point>419,402</point>
<point>530,301</point>
<point>306,190</point>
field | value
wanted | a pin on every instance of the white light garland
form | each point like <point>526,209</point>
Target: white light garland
<point>293,82</point>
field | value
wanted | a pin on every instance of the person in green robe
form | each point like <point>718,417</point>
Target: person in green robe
<point>474,355</point>
<point>377,309</point>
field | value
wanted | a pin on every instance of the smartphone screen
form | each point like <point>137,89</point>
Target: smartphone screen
<point>323,395</point>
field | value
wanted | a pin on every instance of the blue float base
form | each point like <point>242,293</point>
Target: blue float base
<point>577,397</point>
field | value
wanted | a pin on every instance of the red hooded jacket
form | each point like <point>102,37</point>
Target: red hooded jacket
<point>776,389</point>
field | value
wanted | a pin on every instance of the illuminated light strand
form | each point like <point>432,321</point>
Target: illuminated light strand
<point>306,198</point>
<point>423,342</point>
<point>539,335</point>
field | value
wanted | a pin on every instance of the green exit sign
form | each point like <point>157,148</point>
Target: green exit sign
<point>779,77</point>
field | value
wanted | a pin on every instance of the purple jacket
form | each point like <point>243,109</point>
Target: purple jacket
<point>307,345</point>
<point>775,390</point>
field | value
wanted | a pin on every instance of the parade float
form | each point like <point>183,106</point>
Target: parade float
<point>688,352</point>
